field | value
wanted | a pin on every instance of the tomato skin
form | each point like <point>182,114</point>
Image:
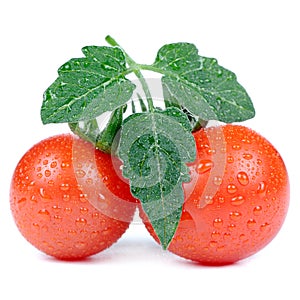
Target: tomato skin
<point>53,194</point>
<point>236,201</point>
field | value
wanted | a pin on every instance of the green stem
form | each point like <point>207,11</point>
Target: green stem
<point>136,70</point>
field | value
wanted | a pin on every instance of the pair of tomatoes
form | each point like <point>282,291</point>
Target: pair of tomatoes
<point>70,200</point>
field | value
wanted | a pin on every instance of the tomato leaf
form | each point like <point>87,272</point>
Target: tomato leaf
<point>87,87</point>
<point>155,147</point>
<point>201,85</point>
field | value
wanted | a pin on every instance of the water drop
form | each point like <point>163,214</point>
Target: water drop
<point>64,187</point>
<point>227,236</point>
<point>56,208</point>
<point>261,187</point>
<point>45,162</point>
<point>231,227</point>
<point>257,210</point>
<point>51,182</point>
<point>204,166</point>
<point>242,237</point>
<point>208,200</point>
<point>264,226</point>
<point>45,196</point>
<point>101,197</point>
<point>84,210</point>
<point>80,222</point>
<point>80,173</point>
<point>65,165</point>
<point>247,156</point>
<point>53,164</point>
<point>251,223</point>
<point>236,147</point>
<point>213,244</point>
<point>57,218</point>
<point>238,200</point>
<point>218,222</point>
<point>217,180</point>
<point>215,235</point>
<point>68,210</point>
<point>44,213</point>
<point>95,215</point>
<point>230,159</point>
<point>243,178</point>
<point>231,188</point>
<point>235,215</point>
<point>66,197</point>
<point>89,181</point>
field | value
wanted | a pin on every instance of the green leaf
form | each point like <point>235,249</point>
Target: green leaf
<point>201,85</point>
<point>155,147</point>
<point>87,87</point>
<point>105,139</point>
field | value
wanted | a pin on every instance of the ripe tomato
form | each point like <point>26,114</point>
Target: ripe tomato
<point>66,198</point>
<point>236,201</point>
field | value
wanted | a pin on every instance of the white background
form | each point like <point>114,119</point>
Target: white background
<point>258,40</point>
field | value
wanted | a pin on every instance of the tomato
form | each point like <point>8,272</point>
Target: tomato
<point>236,201</point>
<point>67,198</point>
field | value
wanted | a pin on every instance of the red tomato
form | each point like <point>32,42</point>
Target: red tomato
<point>66,198</point>
<point>236,201</point>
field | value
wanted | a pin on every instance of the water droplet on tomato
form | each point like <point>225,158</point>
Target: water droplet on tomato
<point>247,156</point>
<point>80,173</point>
<point>235,215</point>
<point>53,164</point>
<point>227,236</point>
<point>242,237</point>
<point>45,162</point>
<point>66,197</point>
<point>217,180</point>
<point>261,187</point>
<point>83,197</point>
<point>218,222</point>
<point>213,244</point>
<point>68,210</point>
<point>257,210</point>
<point>80,222</point>
<point>215,235</point>
<point>230,159</point>
<point>231,188</point>
<point>264,226</point>
<point>238,200</point>
<point>236,147</point>
<point>231,227</point>
<point>204,166</point>
<point>84,210</point>
<point>243,178</point>
<point>65,165</point>
<point>259,162</point>
<point>44,213</point>
<point>45,196</point>
<point>57,218</point>
<point>64,187</point>
<point>251,223</point>
<point>208,200</point>
<point>89,181</point>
